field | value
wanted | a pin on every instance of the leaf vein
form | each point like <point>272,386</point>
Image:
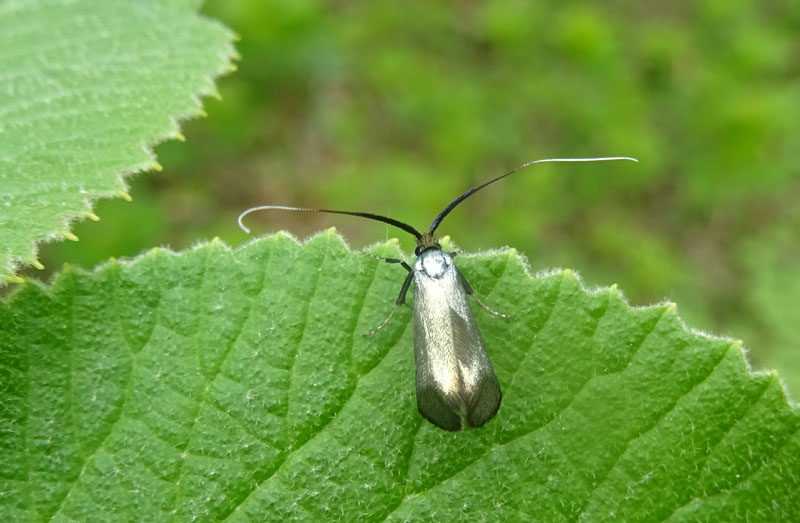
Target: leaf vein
<point>123,400</point>
<point>288,454</point>
<point>652,426</point>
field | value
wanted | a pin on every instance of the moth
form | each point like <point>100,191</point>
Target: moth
<point>456,385</point>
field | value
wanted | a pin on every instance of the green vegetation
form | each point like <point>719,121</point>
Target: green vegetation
<point>88,88</point>
<point>218,383</point>
<point>397,107</point>
<point>163,387</point>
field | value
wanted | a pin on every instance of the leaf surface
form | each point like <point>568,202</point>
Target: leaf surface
<point>87,88</point>
<point>236,384</point>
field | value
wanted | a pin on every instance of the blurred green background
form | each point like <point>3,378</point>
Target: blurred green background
<point>397,107</point>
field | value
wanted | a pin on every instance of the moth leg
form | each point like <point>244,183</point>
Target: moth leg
<point>470,292</point>
<point>390,260</point>
<point>401,299</point>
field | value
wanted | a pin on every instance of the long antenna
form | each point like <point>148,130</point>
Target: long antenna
<point>470,192</point>
<point>377,217</point>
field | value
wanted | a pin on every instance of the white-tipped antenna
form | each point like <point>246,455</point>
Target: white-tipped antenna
<point>408,228</point>
<point>470,192</point>
<point>599,159</point>
<point>265,208</point>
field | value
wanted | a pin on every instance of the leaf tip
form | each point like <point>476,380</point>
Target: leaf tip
<point>448,243</point>
<point>13,278</point>
<point>125,196</point>
<point>157,167</point>
<point>671,309</point>
<point>569,274</point>
<point>37,264</point>
<point>70,236</point>
<point>92,216</point>
<point>179,136</point>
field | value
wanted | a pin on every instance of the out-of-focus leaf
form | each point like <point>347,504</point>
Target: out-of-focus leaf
<point>87,88</point>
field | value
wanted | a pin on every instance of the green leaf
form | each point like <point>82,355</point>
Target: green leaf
<point>87,89</point>
<point>237,384</point>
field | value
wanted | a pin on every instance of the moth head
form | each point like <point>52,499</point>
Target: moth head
<point>427,240</point>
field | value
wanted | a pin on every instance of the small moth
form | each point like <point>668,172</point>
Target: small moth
<point>456,384</point>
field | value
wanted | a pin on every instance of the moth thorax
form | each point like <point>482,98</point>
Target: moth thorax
<point>433,263</point>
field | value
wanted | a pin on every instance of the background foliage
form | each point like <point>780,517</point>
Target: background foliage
<point>397,107</point>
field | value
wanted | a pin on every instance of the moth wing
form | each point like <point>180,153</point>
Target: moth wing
<point>456,383</point>
<point>433,402</point>
<point>481,393</point>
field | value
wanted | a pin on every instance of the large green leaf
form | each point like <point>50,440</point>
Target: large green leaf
<point>236,384</point>
<point>87,88</point>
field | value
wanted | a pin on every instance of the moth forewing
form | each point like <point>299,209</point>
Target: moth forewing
<point>455,379</point>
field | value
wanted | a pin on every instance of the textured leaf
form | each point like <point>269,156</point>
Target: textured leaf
<point>236,384</point>
<point>87,87</point>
